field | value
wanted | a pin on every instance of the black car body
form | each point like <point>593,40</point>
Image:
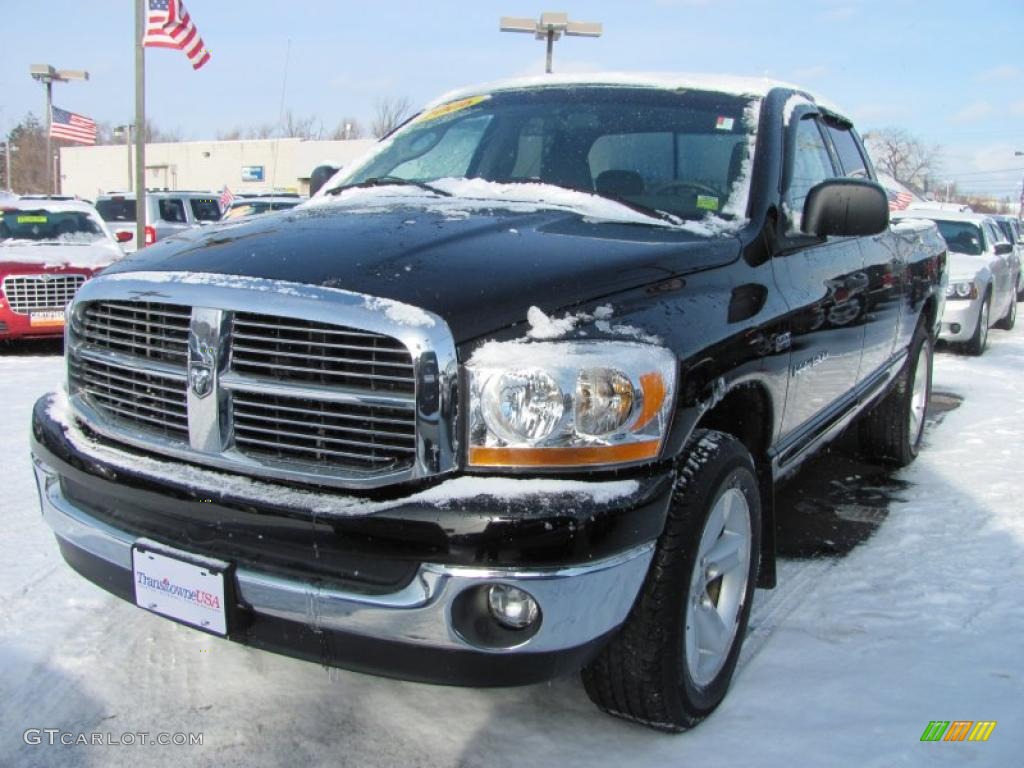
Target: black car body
<point>296,401</point>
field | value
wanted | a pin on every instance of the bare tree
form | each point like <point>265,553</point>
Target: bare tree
<point>903,156</point>
<point>28,159</point>
<point>389,113</point>
<point>301,127</point>
<point>348,128</point>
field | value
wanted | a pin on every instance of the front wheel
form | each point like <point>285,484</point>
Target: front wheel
<point>671,663</point>
<point>977,343</point>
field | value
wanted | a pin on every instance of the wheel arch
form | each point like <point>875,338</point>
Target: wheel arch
<point>746,411</point>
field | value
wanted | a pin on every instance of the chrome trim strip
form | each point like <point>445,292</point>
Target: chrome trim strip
<point>431,345</point>
<point>578,603</point>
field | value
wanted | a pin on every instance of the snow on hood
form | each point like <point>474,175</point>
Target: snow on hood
<point>469,195</point>
<point>100,253</point>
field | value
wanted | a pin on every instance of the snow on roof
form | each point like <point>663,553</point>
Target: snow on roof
<point>740,86</point>
<point>54,206</point>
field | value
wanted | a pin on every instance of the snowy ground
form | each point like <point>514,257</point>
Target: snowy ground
<point>846,661</point>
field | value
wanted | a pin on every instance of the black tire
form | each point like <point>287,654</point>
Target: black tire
<point>979,341</point>
<point>1007,321</point>
<point>887,432</point>
<point>643,673</point>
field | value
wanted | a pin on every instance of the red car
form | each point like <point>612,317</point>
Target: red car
<point>48,249</point>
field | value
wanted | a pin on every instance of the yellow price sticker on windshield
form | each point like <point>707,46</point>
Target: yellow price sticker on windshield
<point>32,219</point>
<point>707,202</point>
<point>451,108</point>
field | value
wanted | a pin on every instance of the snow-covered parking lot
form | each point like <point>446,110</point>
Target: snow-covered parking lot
<point>847,661</point>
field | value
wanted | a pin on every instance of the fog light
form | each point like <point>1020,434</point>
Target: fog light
<point>511,606</point>
<point>954,327</point>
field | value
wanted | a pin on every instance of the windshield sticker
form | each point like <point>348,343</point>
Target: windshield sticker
<point>451,108</point>
<point>31,219</point>
<point>724,123</point>
<point>707,202</point>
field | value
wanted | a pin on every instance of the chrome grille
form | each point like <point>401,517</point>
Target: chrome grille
<point>286,349</point>
<point>321,386</point>
<point>143,329</point>
<point>326,433</point>
<point>126,395</point>
<point>29,293</point>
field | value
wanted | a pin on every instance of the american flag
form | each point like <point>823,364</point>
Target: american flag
<point>168,25</point>
<point>898,199</point>
<point>226,196</point>
<point>68,125</point>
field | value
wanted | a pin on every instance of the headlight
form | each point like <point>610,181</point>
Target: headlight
<point>565,404</point>
<point>962,290</point>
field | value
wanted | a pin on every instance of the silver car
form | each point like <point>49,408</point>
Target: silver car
<point>983,275</point>
<point>167,213</point>
<point>1010,227</point>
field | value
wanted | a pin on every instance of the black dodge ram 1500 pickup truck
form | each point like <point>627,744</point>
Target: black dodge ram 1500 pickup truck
<point>506,399</point>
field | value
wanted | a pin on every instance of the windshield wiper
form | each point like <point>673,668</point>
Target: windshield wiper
<point>654,213</point>
<point>388,181</point>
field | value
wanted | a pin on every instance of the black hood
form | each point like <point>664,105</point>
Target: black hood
<point>478,270</point>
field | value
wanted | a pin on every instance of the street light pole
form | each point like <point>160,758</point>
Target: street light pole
<point>8,149</point>
<point>127,131</point>
<point>550,28</point>
<point>47,75</point>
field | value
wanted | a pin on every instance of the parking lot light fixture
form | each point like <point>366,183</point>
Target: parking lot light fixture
<point>48,75</point>
<point>550,27</point>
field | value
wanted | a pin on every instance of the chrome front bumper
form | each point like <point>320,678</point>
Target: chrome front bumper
<point>578,604</point>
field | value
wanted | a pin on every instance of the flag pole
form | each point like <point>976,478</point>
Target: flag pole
<point>140,125</point>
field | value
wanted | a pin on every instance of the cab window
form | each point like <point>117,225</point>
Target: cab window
<point>850,157</point>
<point>172,210</point>
<point>810,164</point>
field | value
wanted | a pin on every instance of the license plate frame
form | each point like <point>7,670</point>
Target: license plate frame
<point>189,589</point>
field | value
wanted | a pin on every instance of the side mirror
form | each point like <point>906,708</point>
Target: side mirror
<point>320,176</point>
<point>123,236</point>
<point>1002,249</point>
<point>845,208</point>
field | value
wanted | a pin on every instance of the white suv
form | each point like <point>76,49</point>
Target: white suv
<point>167,213</point>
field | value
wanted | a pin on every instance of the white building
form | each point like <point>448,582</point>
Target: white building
<point>249,165</point>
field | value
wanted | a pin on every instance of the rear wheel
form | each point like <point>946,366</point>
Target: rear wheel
<point>892,430</point>
<point>671,663</point>
<point>977,343</point>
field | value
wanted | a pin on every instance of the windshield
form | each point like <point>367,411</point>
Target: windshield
<point>42,226</point>
<point>962,237</point>
<point>677,152</point>
<point>116,209</point>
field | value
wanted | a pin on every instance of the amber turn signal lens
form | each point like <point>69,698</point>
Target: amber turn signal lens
<point>563,457</point>
<point>654,397</point>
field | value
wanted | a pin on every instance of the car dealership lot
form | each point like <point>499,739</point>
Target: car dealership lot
<point>847,661</point>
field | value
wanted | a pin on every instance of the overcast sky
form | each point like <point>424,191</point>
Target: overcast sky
<point>949,71</point>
